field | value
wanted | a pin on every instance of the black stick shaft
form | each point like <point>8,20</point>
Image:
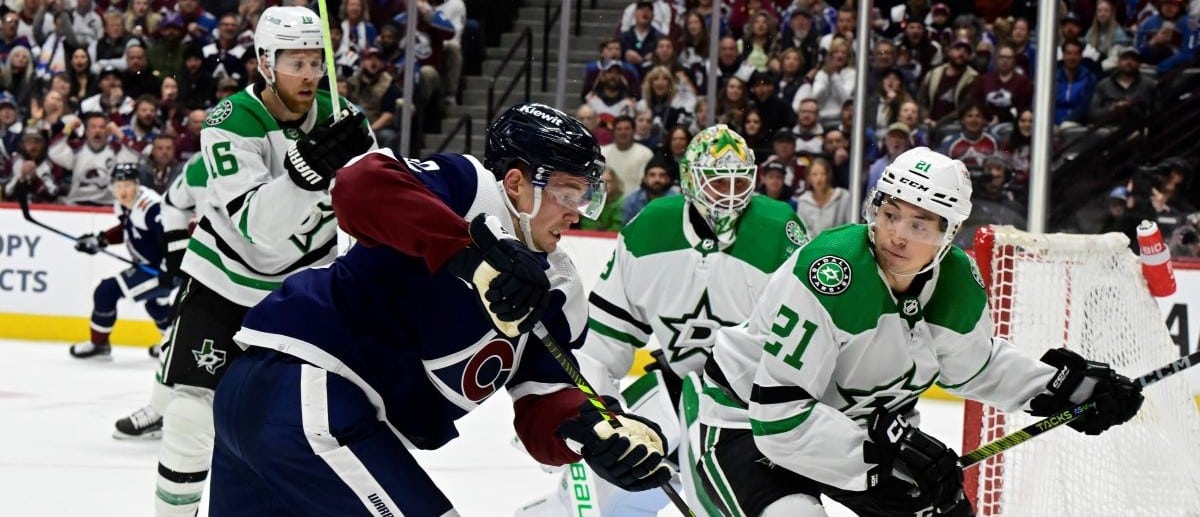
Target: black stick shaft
<point>576,376</point>
<point>24,202</point>
<point>1026,433</point>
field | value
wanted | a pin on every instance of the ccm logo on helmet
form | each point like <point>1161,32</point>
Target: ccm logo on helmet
<point>914,184</point>
<point>530,110</point>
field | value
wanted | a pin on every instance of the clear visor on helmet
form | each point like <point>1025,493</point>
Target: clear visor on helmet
<point>897,219</point>
<point>579,193</point>
<point>724,190</point>
<point>307,64</point>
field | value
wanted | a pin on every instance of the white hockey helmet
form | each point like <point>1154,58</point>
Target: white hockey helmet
<point>285,28</point>
<point>719,153</point>
<point>929,180</point>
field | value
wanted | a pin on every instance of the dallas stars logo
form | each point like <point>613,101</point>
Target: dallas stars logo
<point>219,113</point>
<point>693,333</point>
<point>208,358</point>
<point>890,395</point>
<point>727,142</point>
<point>829,275</point>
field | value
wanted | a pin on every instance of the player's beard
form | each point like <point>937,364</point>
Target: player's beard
<point>292,103</point>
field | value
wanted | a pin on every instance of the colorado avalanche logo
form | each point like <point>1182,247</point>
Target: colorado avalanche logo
<point>487,371</point>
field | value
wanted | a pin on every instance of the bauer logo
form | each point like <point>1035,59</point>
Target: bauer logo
<point>830,275</point>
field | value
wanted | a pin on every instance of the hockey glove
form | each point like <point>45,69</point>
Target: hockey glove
<point>1078,380</point>
<point>903,452</point>
<point>174,245</point>
<point>630,456</point>
<point>315,158</point>
<point>510,278</point>
<point>91,243</point>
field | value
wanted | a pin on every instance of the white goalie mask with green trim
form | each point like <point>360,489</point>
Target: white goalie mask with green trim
<point>718,174</point>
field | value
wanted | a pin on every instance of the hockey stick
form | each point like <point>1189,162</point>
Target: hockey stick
<point>330,66</point>
<point>1028,432</point>
<point>560,355</point>
<point>23,200</point>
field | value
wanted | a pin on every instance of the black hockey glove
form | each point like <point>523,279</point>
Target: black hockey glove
<point>630,456</point>
<point>174,245</point>
<point>903,452</point>
<point>314,159</point>
<point>1079,380</point>
<point>91,243</point>
<point>510,278</point>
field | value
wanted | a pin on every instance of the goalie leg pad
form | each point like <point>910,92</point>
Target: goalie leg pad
<point>185,453</point>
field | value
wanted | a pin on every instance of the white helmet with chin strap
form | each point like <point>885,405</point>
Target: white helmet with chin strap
<point>928,180</point>
<point>285,28</point>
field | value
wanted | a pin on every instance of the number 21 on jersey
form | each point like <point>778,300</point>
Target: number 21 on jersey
<point>784,328</point>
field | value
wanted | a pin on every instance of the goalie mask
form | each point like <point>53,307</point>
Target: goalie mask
<point>933,182</point>
<point>717,174</point>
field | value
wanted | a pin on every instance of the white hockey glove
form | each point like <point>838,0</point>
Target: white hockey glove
<point>509,278</point>
<point>630,456</point>
<point>905,453</point>
<point>314,159</point>
<point>1079,380</point>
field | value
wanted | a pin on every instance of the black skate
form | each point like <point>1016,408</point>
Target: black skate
<point>143,424</point>
<point>89,350</point>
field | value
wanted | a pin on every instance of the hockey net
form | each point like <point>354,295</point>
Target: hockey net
<point>1087,293</point>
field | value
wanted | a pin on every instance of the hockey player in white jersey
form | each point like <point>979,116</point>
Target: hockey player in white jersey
<point>685,266</point>
<point>139,210</point>
<point>817,393</point>
<point>271,152</point>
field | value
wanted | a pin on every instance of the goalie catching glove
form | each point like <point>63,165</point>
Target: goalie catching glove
<point>904,453</point>
<point>630,456</point>
<point>510,278</point>
<point>1077,381</point>
<point>316,157</point>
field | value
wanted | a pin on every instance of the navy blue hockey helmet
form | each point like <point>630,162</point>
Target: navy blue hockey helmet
<point>546,140</point>
<point>125,171</point>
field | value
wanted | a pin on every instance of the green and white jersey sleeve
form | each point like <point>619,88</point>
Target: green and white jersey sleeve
<point>829,342</point>
<point>179,202</point>
<point>256,226</point>
<point>665,281</point>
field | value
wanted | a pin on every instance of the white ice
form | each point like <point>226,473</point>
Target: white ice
<point>58,457</point>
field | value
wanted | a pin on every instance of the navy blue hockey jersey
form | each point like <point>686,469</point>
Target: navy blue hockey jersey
<point>417,343</point>
<point>141,227</point>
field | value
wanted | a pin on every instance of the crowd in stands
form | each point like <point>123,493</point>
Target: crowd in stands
<point>954,76</point>
<point>90,83</point>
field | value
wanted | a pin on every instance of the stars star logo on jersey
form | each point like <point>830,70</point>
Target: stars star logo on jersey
<point>829,275</point>
<point>219,113</point>
<point>890,395</point>
<point>209,358</point>
<point>975,271</point>
<point>694,332</point>
<point>794,233</point>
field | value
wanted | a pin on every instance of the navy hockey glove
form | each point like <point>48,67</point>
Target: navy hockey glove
<point>903,452</point>
<point>314,159</point>
<point>91,243</point>
<point>174,245</point>
<point>630,456</point>
<point>510,278</point>
<point>1079,380</point>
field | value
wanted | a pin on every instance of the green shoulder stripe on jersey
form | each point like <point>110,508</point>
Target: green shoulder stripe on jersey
<point>195,172</point>
<point>857,307</point>
<point>958,300</point>
<point>242,115</point>
<point>767,428</point>
<point>605,330</point>
<point>763,240</point>
<point>214,258</point>
<point>639,389</point>
<point>657,228</point>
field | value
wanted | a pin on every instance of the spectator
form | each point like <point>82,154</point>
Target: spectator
<point>1070,28</point>
<point>655,183</point>
<point>140,21</point>
<point>345,58</point>
<point>674,145</point>
<point>455,12</point>
<point>170,114</point>
<point>1018,148</point>
<point>800,35</point>
<point>16,76</point>
<point>940,28</point>
<point>1185,240</point>
<point>835,81</point>
<point>755,133</point>
<point>824,205</point>
<point>89,161</point>
<point>637,43</point>
<point>883,60</point>
<point>198,23</point>
<point>662,99</point>
<point>187,142</point>
<point>921,49</point>
<point>792,70</point>
<point>358,32</point>
<point>1162,35</point>
<point>846,25</point>
<point>1124,95</point>
<point>693,56</point>
<point>973,145</point>
<point>730,63</point>
<point>742,14</point>
<point>166,55</point>
<point>644,131</point>
<point>10,127</point>
<point>227,86</point>
<point>732,102</point>
<point>1106,33</point>
<point>143,126</point>
<point>795,167</point>
<point>835,147</point>
<point>425,72</point>
<point>759,41</point>
<point>774,111</point>
<point>374,90</point>
<point>163,164</point>
<point>111,100</point>
<point>610,216</point>
<point>992,204</point>
<point>627,158</point>
<point>910,115</point>
<point>897,139</point>
<point>808,130</point>
<point>612,96</point>
<point>662,20</point>
<point>32,171</point>
<point>610,54</point>
<point>1021,41</point>
<point>197,89</point>
<point>83,83</point>
<point>771,183</point>
<point>51,57</point>
<point>1003,92</point>
<point>9,39</point>
<point>1177,175</point>
<point>109,50</point>
<point>224,57</point>
<point>1073,86</point>
<point>139,78</point>
<point>947,87</point>
<point>885,108</point>
<point>85,25</point>
<point>50,115</point>
<point>587,116</point>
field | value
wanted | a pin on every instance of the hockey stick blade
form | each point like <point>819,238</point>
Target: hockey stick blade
<point>23,201</point>
<point>1026,433</point>
<point>576,376</point>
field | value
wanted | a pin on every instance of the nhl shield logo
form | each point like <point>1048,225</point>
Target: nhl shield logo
<point>830,275</point>
<point>911,307</point>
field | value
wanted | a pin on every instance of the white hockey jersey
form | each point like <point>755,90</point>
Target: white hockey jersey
<point>256,226</point>
<point>91,169</point>
<point>829,342</point>
<point>664,279</point>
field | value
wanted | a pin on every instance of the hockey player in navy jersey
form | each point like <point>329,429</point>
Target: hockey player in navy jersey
<point>347,367</point>
<point>138,208</point>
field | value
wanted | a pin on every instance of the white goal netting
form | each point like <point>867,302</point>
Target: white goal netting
<point>1085,292</point>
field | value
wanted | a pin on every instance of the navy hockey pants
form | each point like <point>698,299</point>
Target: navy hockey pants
<point>293,439</point>
<point>130,283</point>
